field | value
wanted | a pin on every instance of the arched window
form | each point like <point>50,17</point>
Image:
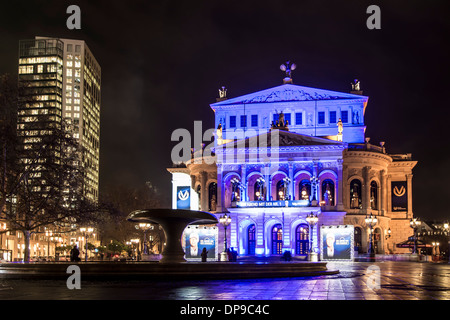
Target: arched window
<point>304,190</point>
<point>212,196</point>
<point>281,190</point>
<point>258,194</point>
<point>251,239</point>
<point>355,194</point>
<point>277,239</point>
<point>302,239</point>
<point>358,239</point>
<point>373,195</point>
<point>328,192</point>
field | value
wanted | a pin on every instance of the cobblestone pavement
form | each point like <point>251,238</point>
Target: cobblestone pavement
<point>356,281</point>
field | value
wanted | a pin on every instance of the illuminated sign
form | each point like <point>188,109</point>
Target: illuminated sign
<point>196,238</point>
<point>336,243</point>
<point>399,196</point>
<point>184,197</point>
<point>273,204</point>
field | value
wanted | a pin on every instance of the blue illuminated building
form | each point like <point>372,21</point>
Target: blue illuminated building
<point>288,152</point>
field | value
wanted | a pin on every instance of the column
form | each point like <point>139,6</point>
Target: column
<point>383,193</point>
<point>340,186</point>
<point>292,184</point>
<point>205,198</point>
<point>220,189</point>
<point>366,188</point>
<point>268,182</point>
<point>315,174</point>
<point>244,182</point>
<point>409,189</point>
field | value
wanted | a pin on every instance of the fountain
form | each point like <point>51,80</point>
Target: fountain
<point>173,221</point>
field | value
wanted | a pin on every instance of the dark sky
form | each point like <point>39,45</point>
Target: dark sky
<point>163,62</point>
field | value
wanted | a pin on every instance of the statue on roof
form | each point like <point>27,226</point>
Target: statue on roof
<point>288,68</point>
<point>356,85</point>
<point>222,93</point>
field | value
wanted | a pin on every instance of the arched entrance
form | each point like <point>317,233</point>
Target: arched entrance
<point>302,239</point>
<point>377,240</point>
<point>277,239</point>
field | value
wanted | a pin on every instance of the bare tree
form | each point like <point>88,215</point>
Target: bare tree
<point>42,182</point>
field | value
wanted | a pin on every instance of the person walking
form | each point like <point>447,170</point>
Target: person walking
<point>204,255</point>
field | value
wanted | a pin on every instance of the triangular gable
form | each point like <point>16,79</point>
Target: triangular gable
<point>288,93</point>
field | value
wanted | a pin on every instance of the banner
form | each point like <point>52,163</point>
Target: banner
<point>336,243</point>
<point>399,196</point>
<point>184,198</point>
<point>196,238</point>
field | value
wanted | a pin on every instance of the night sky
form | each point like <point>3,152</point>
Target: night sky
<point>164,61</point>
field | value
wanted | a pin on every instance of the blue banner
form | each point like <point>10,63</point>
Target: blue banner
<point>184,198</point>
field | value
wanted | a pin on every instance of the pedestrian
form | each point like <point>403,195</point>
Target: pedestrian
<point>229,255</point>
<point>74,254</point>
<point>234,255</point>
<point>204,255</point>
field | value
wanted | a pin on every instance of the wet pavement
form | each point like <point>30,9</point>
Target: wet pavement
<point>390,280</point>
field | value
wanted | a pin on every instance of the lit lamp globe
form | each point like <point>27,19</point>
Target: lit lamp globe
<point>224,220</point>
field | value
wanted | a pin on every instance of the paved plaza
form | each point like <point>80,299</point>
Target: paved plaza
<point>356,281</point>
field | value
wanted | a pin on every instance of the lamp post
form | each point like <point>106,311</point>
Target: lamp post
<point>145,227</point>
<point>446,228</point>
<point>415,223</point>
<point>48,234</point>
<point>371,221</point>
<point>225,220</point>
<point>86,232</point>
<point>312,219</point>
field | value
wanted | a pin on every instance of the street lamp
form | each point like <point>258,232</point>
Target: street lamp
<point>86,232</point>
<point>225,220</point>
<point>312,219</point>
<point>415,223</point>
<point>371,221</point>
<point>145,227</point>
<point>388,235</point>
<point>446,228</point>
<point>48,234</point>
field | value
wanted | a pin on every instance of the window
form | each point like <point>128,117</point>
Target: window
<point>321,117</point>
<point>281,190</point>
<point>277,239</point>
<point>373,195</point>
<point>254,120</point>
<point>77,48</point>
<point>287,117</point>
<point>302,239</point>
<point>328,192</point>
<point>298,118</point>
<point>243,121</point>
<point>212,193</point>
<point>305,190</point>
<point>232,121</point>
<point>355,194</point>
<point>69,47</point>
<point>344,116</point>
<point>332,116</point>
<point>276,116</point>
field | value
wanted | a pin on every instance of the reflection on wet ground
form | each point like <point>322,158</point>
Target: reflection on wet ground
<point>356,281</point>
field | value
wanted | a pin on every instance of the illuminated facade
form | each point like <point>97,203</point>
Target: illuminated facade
<point>290,151</point>
<point>64,82</point>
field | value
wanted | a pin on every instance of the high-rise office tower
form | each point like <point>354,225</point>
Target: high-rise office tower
<point>63,83</point>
